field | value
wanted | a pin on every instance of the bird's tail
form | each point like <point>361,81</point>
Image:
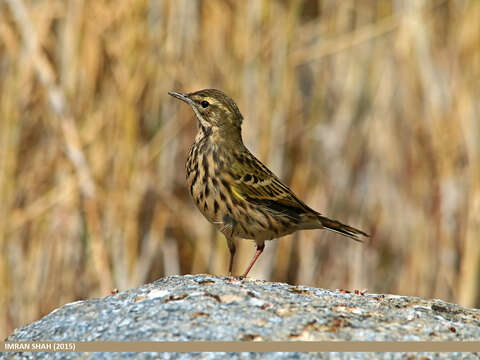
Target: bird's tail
<point>346,230</point>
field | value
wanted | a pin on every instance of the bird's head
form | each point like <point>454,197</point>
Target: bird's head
<point>215,111</point>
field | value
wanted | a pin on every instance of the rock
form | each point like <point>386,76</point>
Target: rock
<point>205,307</point>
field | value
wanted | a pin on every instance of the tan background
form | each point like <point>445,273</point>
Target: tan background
<point>369,110</point>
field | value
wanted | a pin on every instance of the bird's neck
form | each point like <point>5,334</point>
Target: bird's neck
<point>224,137</point>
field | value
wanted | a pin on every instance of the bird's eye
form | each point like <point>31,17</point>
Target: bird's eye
<point>204,104</point>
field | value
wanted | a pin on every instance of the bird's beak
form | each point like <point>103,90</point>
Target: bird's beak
<point>183,97</point>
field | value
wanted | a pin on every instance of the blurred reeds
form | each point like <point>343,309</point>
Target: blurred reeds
<point>368,109</point>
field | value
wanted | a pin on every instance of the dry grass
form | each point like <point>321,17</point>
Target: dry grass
<point>369,110</point>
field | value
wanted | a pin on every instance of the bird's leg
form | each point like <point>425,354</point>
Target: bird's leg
<point>227,230</point>
<point>255,257</point>
<point>232,248</point>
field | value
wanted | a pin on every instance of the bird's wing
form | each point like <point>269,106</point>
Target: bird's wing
<point>256,184</point>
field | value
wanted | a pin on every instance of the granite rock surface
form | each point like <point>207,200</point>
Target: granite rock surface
<point>207,307</point>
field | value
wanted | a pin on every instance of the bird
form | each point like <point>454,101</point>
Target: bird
<point>234,190</point>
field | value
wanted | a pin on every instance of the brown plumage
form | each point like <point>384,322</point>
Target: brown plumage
<point>233,189</point>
